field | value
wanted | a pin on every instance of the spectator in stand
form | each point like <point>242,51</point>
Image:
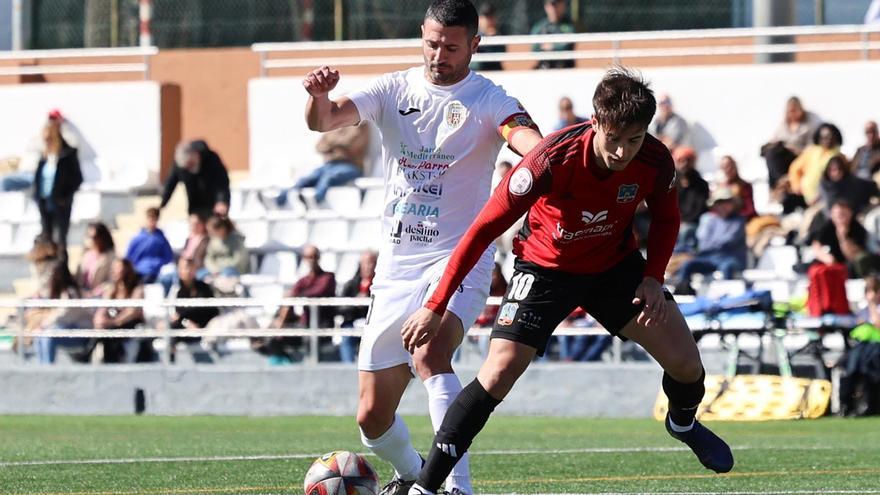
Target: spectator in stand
<point>789,140</point>
<point>316,283</point>
<point>806,170</point>
<point>149,250</point>
<point>488,26</point>
<point>693,193</point>
<point>124,284</point>
<point>56,180</point>
<point>355,316</point>
<point>203,175</point>
<point>343,151</point>
<point>191,318</point>
<point>721,242</point>
<point>866,161</point>
<point>567,117</point>
<point>42,256</point>
<point>555,22</point>
<point>194,249</point>
<point>94,268</point>
<point>839,183</point>
<point>668,126</point>
<point>226,254</point>
<point>842,239</point>
<point>486,319</point>
<point>741,189</point>
<point>581,348</point>
<point>62,286</point>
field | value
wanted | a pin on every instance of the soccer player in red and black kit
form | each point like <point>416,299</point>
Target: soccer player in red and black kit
<point>580,187</point>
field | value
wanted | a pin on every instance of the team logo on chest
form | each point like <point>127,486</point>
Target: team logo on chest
<point>590,218</point>
<point>627,193</point>
<point>455,114</point>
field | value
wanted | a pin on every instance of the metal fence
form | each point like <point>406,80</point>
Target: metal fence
<point>208,23</point>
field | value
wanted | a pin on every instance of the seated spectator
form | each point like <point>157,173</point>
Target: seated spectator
<point>203,175</point>
<point>693,193</point>
<point>721,242</point>
<point>149,249</point>
<point>789,139</point>
<point>343,151</point>
<point>42,256</point>
<point>866,161</point>
<point>316,283</point>
<point>226,254</point>
<point>124,284</point>
<point>582,348</point>
<point>555,22</point>
<point>355,316</point>
<point>186,317</point>
<point>741,189</point>
<point>487,317</point>
<point>56,180</point>
<point>843,240</point>
<point>567,117</point>
<point>668,126</point>
<point>94,268</point>
<point>839,183</point>
<point>194,249</point>
<point>62,286</point>
<point>488,26</point>
<point>806,170</point>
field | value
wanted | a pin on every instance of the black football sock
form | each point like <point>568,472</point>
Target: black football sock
<point>463,421</point>
<point>684,398</point>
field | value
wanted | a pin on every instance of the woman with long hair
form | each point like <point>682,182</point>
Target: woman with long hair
<point>56,180</point>
<point>124,284</point>
<point>62,286</point>
<point>94,268</point>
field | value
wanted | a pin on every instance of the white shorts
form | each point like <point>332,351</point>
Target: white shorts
<point>395,301</point>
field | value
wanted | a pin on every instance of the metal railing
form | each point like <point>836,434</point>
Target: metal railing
<point>145,53</point>
<point>616,54</point>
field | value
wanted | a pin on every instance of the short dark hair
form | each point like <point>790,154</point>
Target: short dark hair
<point>835,133</point>
<point>623,98</point>
<point>487,10</point>
<point>844,203</point>
<point>153,212</point>
<point>454,13</point>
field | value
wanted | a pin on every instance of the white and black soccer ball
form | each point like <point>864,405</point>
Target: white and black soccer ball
<point>341,473</point>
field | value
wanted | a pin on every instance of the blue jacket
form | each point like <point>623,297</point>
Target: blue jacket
<point>148,251</point>
<point>724,236</point>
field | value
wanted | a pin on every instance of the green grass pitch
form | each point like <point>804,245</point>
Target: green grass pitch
<point>222,455</point>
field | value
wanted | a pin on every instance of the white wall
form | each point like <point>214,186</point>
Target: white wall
<point>120,125</point>
<point>738,105</point>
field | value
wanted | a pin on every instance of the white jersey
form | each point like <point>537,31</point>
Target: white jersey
<point>439,146</point>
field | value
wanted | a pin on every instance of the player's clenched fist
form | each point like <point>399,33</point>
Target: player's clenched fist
<point>321,81</point>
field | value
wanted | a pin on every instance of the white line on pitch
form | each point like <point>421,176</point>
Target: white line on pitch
<point>593,450</point>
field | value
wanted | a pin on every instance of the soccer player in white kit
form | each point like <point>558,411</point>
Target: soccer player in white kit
<point>442,127</point>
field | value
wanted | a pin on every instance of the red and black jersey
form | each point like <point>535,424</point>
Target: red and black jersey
<point>579,215</point>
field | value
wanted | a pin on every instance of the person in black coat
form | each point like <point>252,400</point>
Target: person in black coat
<point>192,317</point>
<point>203,174</point>
<point>56,180</point>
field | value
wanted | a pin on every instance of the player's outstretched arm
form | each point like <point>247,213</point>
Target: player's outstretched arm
<point>322,113</point>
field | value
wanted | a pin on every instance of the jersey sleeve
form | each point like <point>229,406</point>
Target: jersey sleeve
<point>510,116</point>
<point>370,101</point>
<point>665,219</point>
<point>515,194</point>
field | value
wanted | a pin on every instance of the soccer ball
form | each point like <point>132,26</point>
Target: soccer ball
<point>341,473</point>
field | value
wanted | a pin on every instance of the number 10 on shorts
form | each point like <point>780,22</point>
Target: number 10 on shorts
<point>520,285</point>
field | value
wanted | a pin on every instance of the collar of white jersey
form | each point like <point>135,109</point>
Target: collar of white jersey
<point>444,89</point>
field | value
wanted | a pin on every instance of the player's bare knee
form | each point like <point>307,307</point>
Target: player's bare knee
<point>373,420</point>
<point>685,368</point>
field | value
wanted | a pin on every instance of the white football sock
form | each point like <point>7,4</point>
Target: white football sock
<point>442,391</point>
<point>418,490</point>
<point>395,447</point>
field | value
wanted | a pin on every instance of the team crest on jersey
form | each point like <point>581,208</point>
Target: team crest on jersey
<point>627,193</point>
<point>455,114</point>
<point>520,182</point>
<point>507,314</point>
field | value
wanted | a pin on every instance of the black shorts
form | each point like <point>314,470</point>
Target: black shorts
<point>538,299</point>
